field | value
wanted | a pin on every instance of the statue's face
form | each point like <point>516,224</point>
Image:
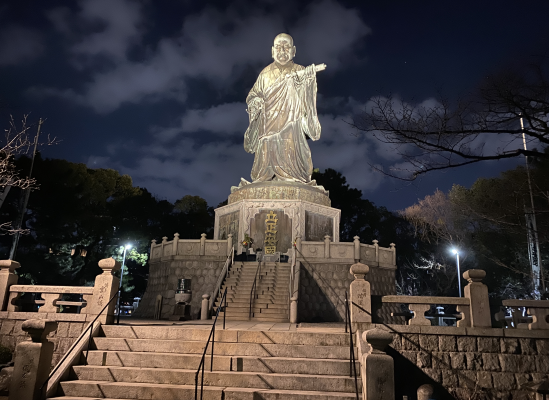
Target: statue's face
<point>283,49</point>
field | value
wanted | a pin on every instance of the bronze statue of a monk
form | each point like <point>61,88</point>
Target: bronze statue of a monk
<point>282,110</point>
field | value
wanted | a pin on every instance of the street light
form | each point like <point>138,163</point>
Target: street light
<point>456,252</point>
<point>126,247</point>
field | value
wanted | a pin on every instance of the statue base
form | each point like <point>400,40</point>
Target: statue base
<point>301,210</point>
<point>280,190</point>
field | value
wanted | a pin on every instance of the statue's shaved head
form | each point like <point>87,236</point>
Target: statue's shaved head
<point>283,48</point>
<point>284,36</point>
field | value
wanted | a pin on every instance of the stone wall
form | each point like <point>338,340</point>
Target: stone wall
<point>322,289</point>
<point>468,363</point>
<point>63,338</point>
<point>163,276</point>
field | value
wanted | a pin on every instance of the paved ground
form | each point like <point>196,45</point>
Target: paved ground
<point>240,325</point>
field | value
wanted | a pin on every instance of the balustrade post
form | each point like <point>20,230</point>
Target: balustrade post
<point>106,285</point>
<point>32,360</point>
<point>202,244</point>
<point>164,242</point>
<point>377,368</point>
<point>375,241</point>
<point>393,249</point>
<point>327,246</point>
<point>229,243</point>
<point>7,278</point>
<point>205,307</point>
<point>153,244</point>
<point>175,243</point>
<point>356,242</point>
<point>50,302</point>
<point>360,294</point>
<point>293,310</point>
<point>477,293</point>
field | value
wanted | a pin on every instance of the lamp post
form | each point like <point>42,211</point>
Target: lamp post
<point>126,247</point>
<point>456,252</point>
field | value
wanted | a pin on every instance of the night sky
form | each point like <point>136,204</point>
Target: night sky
<point>156,89</point>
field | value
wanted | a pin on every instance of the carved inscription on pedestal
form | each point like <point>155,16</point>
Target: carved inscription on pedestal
<point>271,223</point>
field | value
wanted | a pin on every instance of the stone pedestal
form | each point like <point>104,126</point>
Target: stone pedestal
<point>106,286</point>
<point>301,210</point>
<point>377,368</point>
<point>360,295</point>
<point>32,360</point>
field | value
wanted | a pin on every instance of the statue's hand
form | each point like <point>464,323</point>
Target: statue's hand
<point>310,71</point>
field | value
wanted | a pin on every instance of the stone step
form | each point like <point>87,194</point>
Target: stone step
<point>82,390</point>
<point>258,349</point>
<point>326,383</point>
<point>278,313</point>
<point>228,336</point>
<point>237,290</point>
<point>256,304</point>
<point>284,365</point>
<point>246,302</point>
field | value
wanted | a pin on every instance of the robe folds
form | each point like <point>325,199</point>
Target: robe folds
<point>282,111</point>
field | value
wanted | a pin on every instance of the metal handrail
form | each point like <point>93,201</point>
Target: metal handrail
<point>90,327</point>
<point>254,287</point>
<point>212,337</point>
<point>352,361</point>
<point>222,276</point>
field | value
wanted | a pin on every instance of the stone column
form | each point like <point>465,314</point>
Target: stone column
<point>293,310</point>
<point>7,278</point>
<point>204,310</point>
<point>360,294</point>
<point>477,293</point>
<point>175,243</point>
<point>106,285</point>
<point>32,360</point>
<point>356,242</point>
<point>377,368</point>
<point>394,253</point>
<point>202,244</point>
<point>229,243</point>
<point>376,245</point>
<point>327,246</point>
<point>425,392</point>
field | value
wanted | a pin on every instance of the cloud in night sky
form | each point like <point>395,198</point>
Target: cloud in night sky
<point>202,49</point>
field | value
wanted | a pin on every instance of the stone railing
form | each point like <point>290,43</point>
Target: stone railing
<point>94,298</point>
<point>190,247</point>
<point>473,309</point>
<point>350,252</point>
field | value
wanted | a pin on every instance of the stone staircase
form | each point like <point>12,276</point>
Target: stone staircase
<point>160,362</point>
<point>271,302</point>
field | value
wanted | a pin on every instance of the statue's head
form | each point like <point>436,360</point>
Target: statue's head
<point>283,48</point>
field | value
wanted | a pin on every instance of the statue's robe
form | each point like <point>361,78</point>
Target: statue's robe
<point>282,113</point>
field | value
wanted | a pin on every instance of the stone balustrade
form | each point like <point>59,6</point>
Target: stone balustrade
<point>473,309</point>
<point>419,305</point>
<point>51,297</point>
<point>94,298</point>
<point>191,247</point>
<point>372,255</point>
<point>537,310</point>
